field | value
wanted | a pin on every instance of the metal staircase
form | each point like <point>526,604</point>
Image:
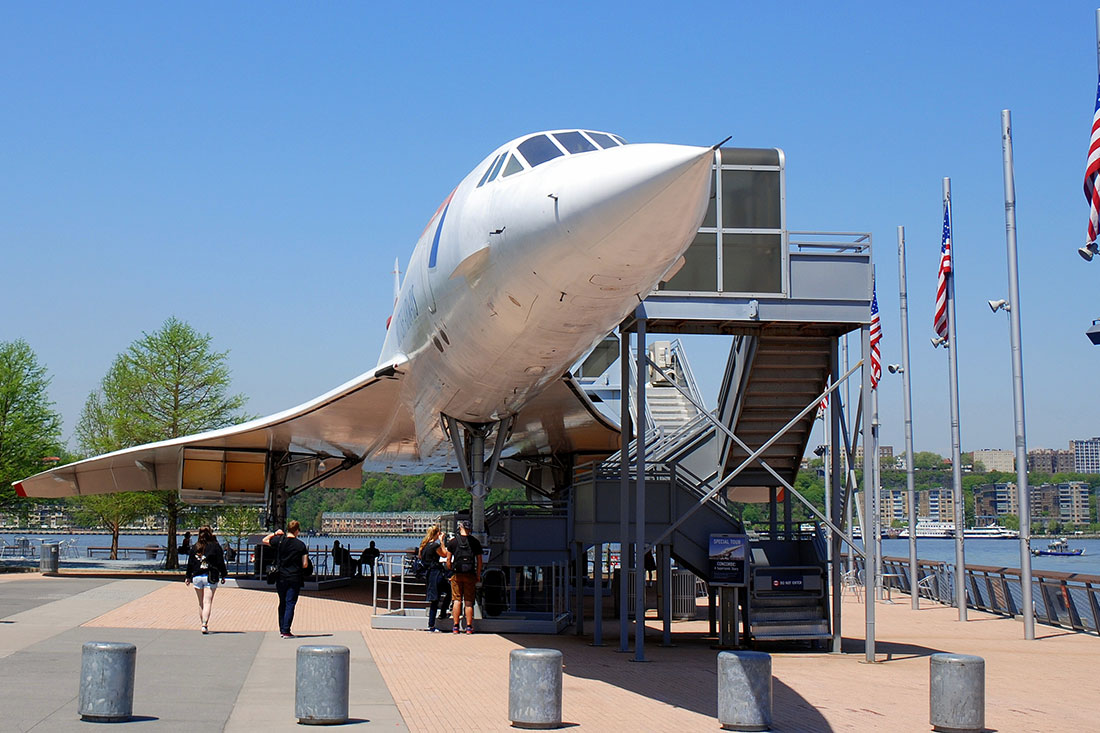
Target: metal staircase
<point>769,380</point>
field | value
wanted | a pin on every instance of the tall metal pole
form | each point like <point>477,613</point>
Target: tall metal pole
<point>1098,40</point>
<point>867,525</point>
<point>847,468</point>
<point>624,486</point>
<point>907,406</point>
<point>832,468</point>
<point>956,439</point>
<point>1022,489</point>
<point>639,484</point>
<point>876,468</point>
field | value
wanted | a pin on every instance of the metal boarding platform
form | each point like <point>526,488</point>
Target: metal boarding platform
<point>787,298</point>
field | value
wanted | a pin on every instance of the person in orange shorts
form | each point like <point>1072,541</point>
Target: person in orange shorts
<point>465,561</point>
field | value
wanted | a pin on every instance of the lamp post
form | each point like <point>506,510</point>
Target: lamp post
<point>1022,491</point>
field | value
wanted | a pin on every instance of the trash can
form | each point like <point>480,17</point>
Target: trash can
<point>47,561</point>
<point>683,595</point>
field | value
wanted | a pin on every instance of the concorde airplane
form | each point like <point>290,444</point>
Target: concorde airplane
<point>531,260</point>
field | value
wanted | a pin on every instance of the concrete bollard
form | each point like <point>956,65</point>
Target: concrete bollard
<point>534,688</point>
<point>321,685</point>
<point>956,692</point>
<point>107,681</point>
<point>745,690</point>
<point>47,561</point>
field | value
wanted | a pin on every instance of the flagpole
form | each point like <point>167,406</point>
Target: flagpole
<point>876,482</point>
<point>1023,492</point>
<point>1098,40</point>
<point>907,406</point>
<point>870,565</point>
<point>956,440</point>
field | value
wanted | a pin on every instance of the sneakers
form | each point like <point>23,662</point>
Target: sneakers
<point>205,630</point>
<point>455,629</point>
<point>287,636</point>
<point>469,629</point>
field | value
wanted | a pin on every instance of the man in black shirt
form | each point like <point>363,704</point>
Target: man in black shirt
<point>464,558</point>
<point>292,556</point>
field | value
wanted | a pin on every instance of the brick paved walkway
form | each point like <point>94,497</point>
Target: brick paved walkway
<point>438,679</point>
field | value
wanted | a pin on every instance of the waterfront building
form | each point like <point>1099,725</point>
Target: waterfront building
<point>994,501</point>
<point>884,451</point>
<point>1045,460</point>
<point>995,460</point>
<point>1073,502</point>
<point>1066,502</point>
<point>936,505</point>
<point>377,522</point>
<point>1086,455</point>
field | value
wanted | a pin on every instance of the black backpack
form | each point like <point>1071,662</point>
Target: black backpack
<point>464,560</point>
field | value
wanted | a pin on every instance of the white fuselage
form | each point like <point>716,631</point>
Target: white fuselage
<point>514,279</point>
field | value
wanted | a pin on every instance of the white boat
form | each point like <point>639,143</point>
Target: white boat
<point>992,531</point>
<point>928,529</point>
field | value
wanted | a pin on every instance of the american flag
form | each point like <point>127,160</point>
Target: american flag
<point>1092,173</point>
<point>940,321</point>
<point>876,336</point>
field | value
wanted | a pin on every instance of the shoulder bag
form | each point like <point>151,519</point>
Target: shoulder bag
<point>271,569</point>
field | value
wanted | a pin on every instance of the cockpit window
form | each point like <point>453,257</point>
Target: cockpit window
<point>538,149</point>
<point>512,166</point>
<point>604,141</point>
<point>574,142</point>
<point>621,141</point>
<point>489,170</point>
<point>496,168</point>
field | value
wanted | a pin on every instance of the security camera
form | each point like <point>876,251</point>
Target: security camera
<point>1094,332</point>
<point>996,305</point>
<point>820,450</point>
<point>1088,251</point>
<point>894,368</point>
<point>938,341</point>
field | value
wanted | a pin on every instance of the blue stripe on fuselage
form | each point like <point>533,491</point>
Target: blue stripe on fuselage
<point>435,240</point>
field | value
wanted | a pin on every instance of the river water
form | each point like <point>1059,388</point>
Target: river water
<point>1001,553</point>
<point>996,553</point>
<point>81,542</point>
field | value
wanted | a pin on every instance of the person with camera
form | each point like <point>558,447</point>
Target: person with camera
<point>465,561</point>
<point>433,551</point>
<point>292,558</point>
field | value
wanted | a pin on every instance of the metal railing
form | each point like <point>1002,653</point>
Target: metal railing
<point>1070,600</point>
<point>829,241</point>
<point>539,590</point>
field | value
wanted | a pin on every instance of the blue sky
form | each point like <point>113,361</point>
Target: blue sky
<point>254,168</point>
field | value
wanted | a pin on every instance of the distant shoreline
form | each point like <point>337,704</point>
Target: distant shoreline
<point>180,532</point>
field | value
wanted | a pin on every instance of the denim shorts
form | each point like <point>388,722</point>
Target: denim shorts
<point>201,581</point>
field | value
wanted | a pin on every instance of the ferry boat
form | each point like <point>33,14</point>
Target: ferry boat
<point>992,531</point>
<point>928,529</point>
<point>1058,547</point>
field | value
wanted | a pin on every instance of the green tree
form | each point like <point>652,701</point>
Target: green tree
<point>167,384</point>
<point>926,460</point>
<point>238,521</point>
<point>1010,521</point>
<point>30,429</point>
<point>113,511</point>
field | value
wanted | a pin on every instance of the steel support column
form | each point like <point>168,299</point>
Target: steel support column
<point>639,543</point>
<point>624,486</point>
<point>832,467</point>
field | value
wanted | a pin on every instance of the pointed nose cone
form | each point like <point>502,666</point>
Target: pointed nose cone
<point>640,202</point>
